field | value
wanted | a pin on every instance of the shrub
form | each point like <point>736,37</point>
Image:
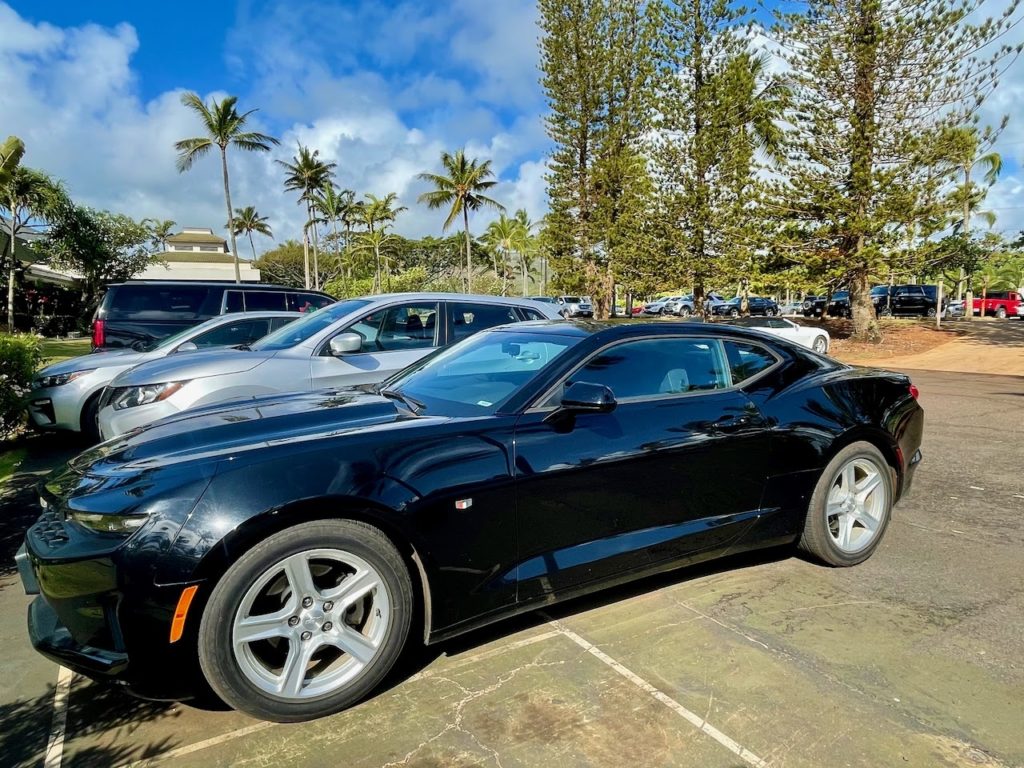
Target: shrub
<point>20,357</point>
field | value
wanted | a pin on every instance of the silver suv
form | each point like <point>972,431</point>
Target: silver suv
<point>356,341</point>
<point>575,306</point>
<point>65,395</point>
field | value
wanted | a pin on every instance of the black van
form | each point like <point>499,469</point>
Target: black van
<point>149,310</point>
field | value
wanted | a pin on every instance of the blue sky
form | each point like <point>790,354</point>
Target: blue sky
<point>381,88</point>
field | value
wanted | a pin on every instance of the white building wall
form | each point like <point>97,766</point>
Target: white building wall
<point>174,270</point>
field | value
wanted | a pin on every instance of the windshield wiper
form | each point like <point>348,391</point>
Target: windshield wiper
<point>411,402</point>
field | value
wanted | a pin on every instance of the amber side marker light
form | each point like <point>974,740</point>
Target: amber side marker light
<point>178,623</point>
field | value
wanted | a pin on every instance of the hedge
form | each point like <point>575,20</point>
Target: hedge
<point>20,357</point>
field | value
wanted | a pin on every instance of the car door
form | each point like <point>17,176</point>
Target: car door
<point>394,337</point>
<point>677,468</point>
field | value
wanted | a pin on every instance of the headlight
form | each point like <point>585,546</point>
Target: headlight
<point>60,378</point>
<point>123,524</point>
<point>130,397</point>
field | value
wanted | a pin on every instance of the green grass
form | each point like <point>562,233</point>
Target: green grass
<point>55,350</point>
<point>9,461</point>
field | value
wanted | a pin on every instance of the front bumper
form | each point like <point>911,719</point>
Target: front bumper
<point>51,408</point>
<point>113,423</point>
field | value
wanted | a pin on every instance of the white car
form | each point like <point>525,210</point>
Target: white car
<point>816,339</point>
<point>353,342</point>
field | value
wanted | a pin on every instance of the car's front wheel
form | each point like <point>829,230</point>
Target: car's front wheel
<point>850,507</point>
<point>307,622</point>
<point>734,312</point>
<point>820,344</point>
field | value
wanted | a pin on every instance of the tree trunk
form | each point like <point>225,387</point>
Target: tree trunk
<point>316,258</point>
<point>469,251</point>
<point>231,212</point>
<point>965,230</point>
<point>252,245</point>
<point>526,271</point>
<point>305,246</point>
<point>10,271</point>
<point>376,274</point>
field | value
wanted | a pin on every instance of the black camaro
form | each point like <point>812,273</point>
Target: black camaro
<point>281,549</point>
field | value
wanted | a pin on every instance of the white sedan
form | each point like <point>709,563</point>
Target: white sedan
<point>808,336</point>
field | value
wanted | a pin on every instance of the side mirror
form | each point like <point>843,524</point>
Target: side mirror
<point>583,396</point>
<point>345,344</point>
<point>187,346</point>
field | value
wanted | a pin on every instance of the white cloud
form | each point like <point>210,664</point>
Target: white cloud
<point>73,96</point>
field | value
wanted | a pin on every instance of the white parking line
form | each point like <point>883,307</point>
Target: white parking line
<point>190,748</point>
<point>59,722</point>
<point>696,720</point>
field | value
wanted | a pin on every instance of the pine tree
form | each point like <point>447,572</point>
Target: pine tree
<point>877,86</point>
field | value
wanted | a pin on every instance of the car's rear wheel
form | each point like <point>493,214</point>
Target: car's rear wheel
<point>820,344</point>
<point>885,312</point>
<point>850,507</point>
<point>1001,313</point>
<point>684,311</point>
<point>307,622</point>
<point>930,312</point>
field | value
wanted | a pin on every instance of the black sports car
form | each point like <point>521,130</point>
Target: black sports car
<point>284,549</point>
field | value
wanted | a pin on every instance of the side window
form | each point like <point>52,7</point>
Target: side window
<point>653,367</point>
<point>231,334</point>
<point>531,314</point>
<point>902,292</point>
<point>408,326</point>
<point>263,301</point>
<point>774,322</point>
<point>307,302</point>
<point>466,319</point>
<point>233,302</point>
<point>747,360</point>
<point>280,322</point>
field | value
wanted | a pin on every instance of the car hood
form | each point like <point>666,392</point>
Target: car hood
<point>93,361</point>
<point>222,431</point>
<point>194,365</point>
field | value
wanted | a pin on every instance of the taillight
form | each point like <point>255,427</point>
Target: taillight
<point>99,336</point>
<point>913,391</point>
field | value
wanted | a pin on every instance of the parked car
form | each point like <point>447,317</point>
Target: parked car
<point>140,312</point>
<point>686,306</point>
<point>905,300</point>
<point>545,299</point>
<point>357,341</point>
<point>955,308</point>
<point>756,305</point>
<point>1020,310</point>
<point>817,339</point>
<point>667,305</point>
<point>65,395</point>
<point>575,306</point>
<point>285,549</point>
<point>1001,304</point>
<point>791,308</point>
<point>838,305</point>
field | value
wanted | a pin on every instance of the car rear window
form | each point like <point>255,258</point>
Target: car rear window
<point>155,302</point>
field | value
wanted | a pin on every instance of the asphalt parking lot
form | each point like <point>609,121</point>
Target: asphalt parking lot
<point>914,658</point>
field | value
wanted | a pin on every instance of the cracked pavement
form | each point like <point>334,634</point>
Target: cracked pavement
<point>913,658</point>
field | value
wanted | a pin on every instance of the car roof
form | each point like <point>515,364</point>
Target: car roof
<point>610,329</point>
<point>479,297</point>
<point>219,284</point>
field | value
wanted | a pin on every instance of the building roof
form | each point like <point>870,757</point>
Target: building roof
<point>196,235</point>
<point>199,257</point>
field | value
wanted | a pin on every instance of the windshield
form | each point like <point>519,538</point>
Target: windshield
<point>314,322</point>
<point>571,299</point>
<point>479,375</point>
<point>177,338</point>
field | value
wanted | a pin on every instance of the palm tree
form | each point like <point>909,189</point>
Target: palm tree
<point>332,203</point>
<point>308,174</point>
<point>375,242</point>
<point>500,235</point>
<point>381,210</point>
<point>525,244</point>
<point>159,231</point>
<point>247,221</point>
<point>27,194</point>
<point>225,127</point>
<point>462,191</point>
<point>11,152</point>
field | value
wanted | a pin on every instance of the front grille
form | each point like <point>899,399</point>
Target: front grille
<point>49,529</point>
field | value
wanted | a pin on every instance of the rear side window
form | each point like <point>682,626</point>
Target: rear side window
<point>155,302</point>
<point>232,334</point>
<point>307,302</point>
<point>747,360</point>
<point>407,326</point>
<point>264,301</point>
<point>466,319</point>
<point>531,314</point>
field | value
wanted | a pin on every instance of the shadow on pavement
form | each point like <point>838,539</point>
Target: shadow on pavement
<point>19,505</point>
<point>26,725</point>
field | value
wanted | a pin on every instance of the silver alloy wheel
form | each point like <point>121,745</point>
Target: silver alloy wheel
<point>857,504</point>
<point>820,345</point>
<point>310,624</point>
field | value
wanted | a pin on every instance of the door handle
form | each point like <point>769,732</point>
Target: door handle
<point>728,423</point>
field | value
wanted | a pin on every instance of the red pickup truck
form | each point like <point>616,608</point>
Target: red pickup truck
<point>997,303</point>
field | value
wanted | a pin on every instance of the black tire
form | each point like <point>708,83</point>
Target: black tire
<point>769,312</point>
<point>816,539</point>
<point>1001,313</point>
<point>734,312</point>
<point>820,345</point>
<point>930,312</point>
<point>684,312</point>
<point>885,312</point>
<point>87,421</point>
<point>217,658</point>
